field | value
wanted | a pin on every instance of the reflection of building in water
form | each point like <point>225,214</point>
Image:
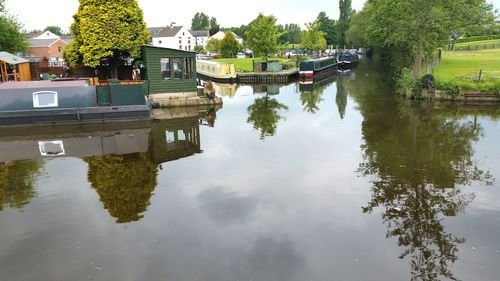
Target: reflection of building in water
<point>226,90</point>
<point>272,89</point>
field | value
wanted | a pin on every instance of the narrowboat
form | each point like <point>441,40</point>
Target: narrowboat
<point>309,69</point>
<point>216,72</point>
<point>67,101</point>
<point>348,59</point>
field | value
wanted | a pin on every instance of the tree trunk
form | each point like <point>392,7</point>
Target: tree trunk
<point>418,55</point>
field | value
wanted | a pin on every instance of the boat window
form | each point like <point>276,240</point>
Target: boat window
<point>182,135</point>
<point>170,136</point>
<point>45,99</point>
<point>166,73</point>
<point>51,148</point>
<point>177,66</point>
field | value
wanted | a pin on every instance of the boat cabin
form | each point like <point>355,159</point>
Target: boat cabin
<point>14,68</point>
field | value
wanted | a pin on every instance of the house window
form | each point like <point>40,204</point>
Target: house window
<point>180,41</point>
<point>183,34</point>
<point>45,99</point>
<point>166,72</point>
<point>59,49</point>
<point>51,148</point>
<point>159,42</point>
<point>180,47</point>
<point>177,66</point>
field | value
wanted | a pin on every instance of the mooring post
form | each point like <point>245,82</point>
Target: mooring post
<point>480,74</point>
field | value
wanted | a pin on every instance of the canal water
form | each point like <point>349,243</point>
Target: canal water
<point>338,180</point>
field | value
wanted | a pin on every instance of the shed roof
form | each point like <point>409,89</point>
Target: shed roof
<point>41,43</point>
<point>11,59</point>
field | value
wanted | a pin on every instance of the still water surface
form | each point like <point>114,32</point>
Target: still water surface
<point>339,180</point>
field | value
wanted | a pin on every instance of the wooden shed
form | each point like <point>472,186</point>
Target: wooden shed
<point>169,70</point>
<point>14,68</point>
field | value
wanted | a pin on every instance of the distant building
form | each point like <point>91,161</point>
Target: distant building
<point>220,35</point>
<point>53,49</point>
<point>45,35</point>
<point>174,37</point>
<point>200,37</point>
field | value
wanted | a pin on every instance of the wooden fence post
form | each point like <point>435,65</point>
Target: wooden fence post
<point>480,74</point>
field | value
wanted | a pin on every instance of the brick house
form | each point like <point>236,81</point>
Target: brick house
<point>53,49</point>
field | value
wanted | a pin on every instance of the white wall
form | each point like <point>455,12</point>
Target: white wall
<point>47,35</point>
<point>183,40</point>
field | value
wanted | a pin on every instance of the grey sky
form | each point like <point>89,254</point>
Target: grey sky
<point>36,14</point>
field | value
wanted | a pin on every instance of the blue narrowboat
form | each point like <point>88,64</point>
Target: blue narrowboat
<point>39,102</point>
<point>347,59</point>
<point>311,68</point>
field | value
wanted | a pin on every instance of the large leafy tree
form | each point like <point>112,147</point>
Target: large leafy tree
<point>327,26</point>
<point>229,46</point>
<point>110,30</point>
<point>12,39</point>
<point>418,27</point>
<point>344,21</point>
<point>200,21</point>
<point>313,38</point>
<point>213,45</point>
<point>262,36</point>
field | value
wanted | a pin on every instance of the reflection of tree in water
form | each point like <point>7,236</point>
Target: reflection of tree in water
<point>124,183</point>
<point>341,98</point>
<point>16,182</point>
<point>420,159</point>
<point>264,115</point>
<point>311,99</point>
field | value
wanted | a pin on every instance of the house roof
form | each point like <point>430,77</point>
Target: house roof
<point>169,31</point>
<point>67,38</point>
<point>200,33</point>
<point>155,30</point>
<point>41,43</point>
<point>11,59</point>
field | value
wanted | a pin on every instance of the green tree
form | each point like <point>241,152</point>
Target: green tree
<point>214,26</point>
<point>199,49</point>
<point>17,180</point>
<point>12,39</point>
<point>327,26</point>
<point>229,46</point>
<point>294,33</point>
<point>346,13</point>
<point>200,21</point>
<point>124,183</point>
<point>213,45</point>
<point>418,27</point>
<point>313,38</point>
<point>264,115</point>
<point>240,31</point>
<point>54,29</point>
<point>107,30</point>
<point>356,35</point>
<point>262,36</point>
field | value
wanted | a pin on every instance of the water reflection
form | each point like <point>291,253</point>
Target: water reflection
<point>420,161</point>
<point>17,180</point>
<point>264,115</point>
<point>311,93</point>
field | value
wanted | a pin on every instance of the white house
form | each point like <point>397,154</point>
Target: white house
<point>201,37</point>
<point>174,37</point>
<point>220,35</point>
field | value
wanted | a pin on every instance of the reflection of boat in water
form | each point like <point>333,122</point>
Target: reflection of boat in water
<point>312,69</point>
<point>305,86</point>
<point>177,130</point>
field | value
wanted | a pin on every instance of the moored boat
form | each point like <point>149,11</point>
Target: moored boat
<point>311,68</point>
<point>348,58</point>
<point>38,102</point>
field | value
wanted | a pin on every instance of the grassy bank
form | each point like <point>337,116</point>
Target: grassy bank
<point>461,69</point>
<point>246,64</point>
<point>487,42</point>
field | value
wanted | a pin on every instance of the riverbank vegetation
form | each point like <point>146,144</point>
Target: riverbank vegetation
<point>410,32</point>
<point>246,64</point>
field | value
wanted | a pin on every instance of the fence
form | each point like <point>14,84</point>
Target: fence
<point>41,71</point>
<point>477,47</point>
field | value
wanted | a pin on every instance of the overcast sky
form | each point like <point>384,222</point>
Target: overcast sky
<point>37,14</point>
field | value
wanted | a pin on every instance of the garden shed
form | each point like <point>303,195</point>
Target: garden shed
<point>14,68</point>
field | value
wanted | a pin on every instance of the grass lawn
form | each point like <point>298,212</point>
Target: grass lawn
<point>462,68</point>
<point>246,64</point>
<point>489,42</point>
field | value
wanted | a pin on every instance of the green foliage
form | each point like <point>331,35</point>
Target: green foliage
<point>12,39</point>
<point>54,29</point>
<point>451,90</point>
<point>264,115</point>
<point>200,21</point>
<point>213,45</point>
<point>405,83</point>
<point>327,26</point>
<point>124,184</point>
<point>298,59</point>
<point>214,26</point>
<point>313,38</point>
<point>344,21</point>
<point>290,34</point>
<point>112,30</point>
<point>240,31</point>
<point>229,46</point>
<point>199,49</point>
<point>17,180</point>
<point>477,38</point>
<point>355,36</point>
<point>262,36</point>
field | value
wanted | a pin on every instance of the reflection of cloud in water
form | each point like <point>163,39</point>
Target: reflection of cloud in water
<point>275,259</point>
<point>226,207</point>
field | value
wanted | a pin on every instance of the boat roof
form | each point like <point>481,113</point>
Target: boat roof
<point>320,59</point>
<point>43,84</point>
